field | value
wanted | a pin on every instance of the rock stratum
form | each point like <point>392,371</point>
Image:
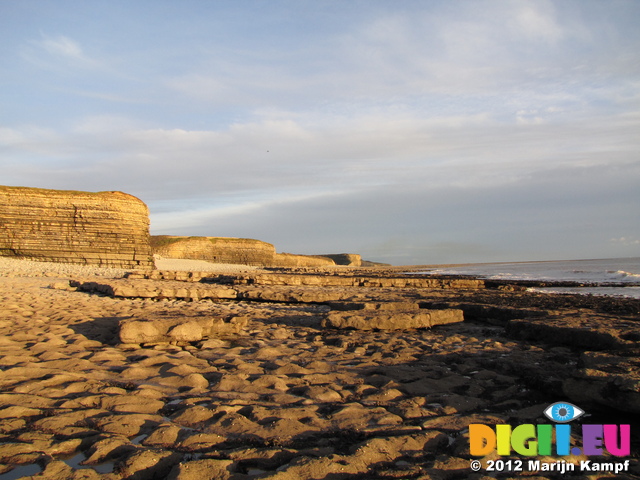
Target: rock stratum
<point>351,259</point>
<point>109,229</point>
<point>242,251</point>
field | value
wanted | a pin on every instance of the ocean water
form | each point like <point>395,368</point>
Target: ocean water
<point>614,276</point>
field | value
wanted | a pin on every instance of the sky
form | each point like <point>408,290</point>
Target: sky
<point>410,132</point>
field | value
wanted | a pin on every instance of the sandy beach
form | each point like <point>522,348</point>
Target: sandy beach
<point>285,398</point>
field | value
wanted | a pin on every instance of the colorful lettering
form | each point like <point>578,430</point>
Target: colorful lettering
<point>545,433</point>
<point>620,448</point>
<point>592,436</point>
<point>523,440</point>
<point>482,439</point>
<point>529,440</point>
<point>563,439</point>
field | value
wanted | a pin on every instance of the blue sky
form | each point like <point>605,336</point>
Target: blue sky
<point>410,132</point>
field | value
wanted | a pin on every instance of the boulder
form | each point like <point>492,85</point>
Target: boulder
<point>178,330</point>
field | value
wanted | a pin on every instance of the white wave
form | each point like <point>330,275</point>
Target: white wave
<point>626,292</point>
<point>603,272</point>
<point>622,275</point>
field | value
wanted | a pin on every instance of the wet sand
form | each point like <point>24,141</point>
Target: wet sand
<point>283,399</point>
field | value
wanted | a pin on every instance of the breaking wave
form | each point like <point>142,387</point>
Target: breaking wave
<point>607,273</point>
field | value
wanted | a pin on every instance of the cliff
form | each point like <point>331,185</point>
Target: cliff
<point>292,260</point>
<point>242,251</point>
<point>351,259</point>
<point>109,229</point>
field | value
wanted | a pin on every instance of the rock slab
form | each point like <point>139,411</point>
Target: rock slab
<point>125,288</point>
<point>389,320</point>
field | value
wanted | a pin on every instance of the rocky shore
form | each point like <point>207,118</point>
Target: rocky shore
<point>293,374</point>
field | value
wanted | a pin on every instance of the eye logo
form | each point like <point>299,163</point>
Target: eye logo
<point>563,412</point>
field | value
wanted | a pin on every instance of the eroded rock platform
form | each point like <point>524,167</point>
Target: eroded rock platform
<point>281,396</point>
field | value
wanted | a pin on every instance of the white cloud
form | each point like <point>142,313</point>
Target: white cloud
<point>625,241</point>
<point>62,46</point>
<point>397,148</point>
<point>66,57</point>
<point>528,117</point>
<point>537,20</point>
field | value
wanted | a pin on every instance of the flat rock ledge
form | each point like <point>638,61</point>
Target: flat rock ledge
<point>596,332</point>
<point>349,315</point>
<point>125,288</point>
<point>607,378</point>
<point>391,320</point>
<point>610,368</point>
<point>608,374</point>
<point>335,279</point>
<point>282,398</point>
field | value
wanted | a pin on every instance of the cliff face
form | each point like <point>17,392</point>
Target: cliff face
<point>291,260</point>
<point>109,229</point>
<point>351,259</point>
<point>242,251</point>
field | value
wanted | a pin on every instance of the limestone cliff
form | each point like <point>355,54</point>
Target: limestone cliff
<point>109,229</point>
<point>291,260</point>
<point>351,259</point>
<point>242,251</point>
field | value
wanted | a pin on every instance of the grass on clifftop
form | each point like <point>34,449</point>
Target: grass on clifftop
<point>158,241</point>
<point>49,191</point>
<point>235,240</point>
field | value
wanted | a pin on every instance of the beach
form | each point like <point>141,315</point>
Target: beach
<point>286,395</point>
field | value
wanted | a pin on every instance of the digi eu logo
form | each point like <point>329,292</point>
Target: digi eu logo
<point>529,440</point>
<point>562,412</point>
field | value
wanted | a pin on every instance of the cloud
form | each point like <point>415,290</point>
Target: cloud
<point>414,132</point>
<point>487,58</point>
<point>62,46</point>
<point>272,154</point>
<point>625,241</point>
<point>432,223</point>
<point>538,21</point>
<point>58,53</point>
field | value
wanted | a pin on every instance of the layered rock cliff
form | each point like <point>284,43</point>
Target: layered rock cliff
<point>242,251</point>
<point>292,260</point>
<point>108,229</point>
<point>351,259</point>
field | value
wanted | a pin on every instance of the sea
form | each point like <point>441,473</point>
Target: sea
<point>610,277</point>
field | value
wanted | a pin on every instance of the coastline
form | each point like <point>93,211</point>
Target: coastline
<point>602,277</point>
